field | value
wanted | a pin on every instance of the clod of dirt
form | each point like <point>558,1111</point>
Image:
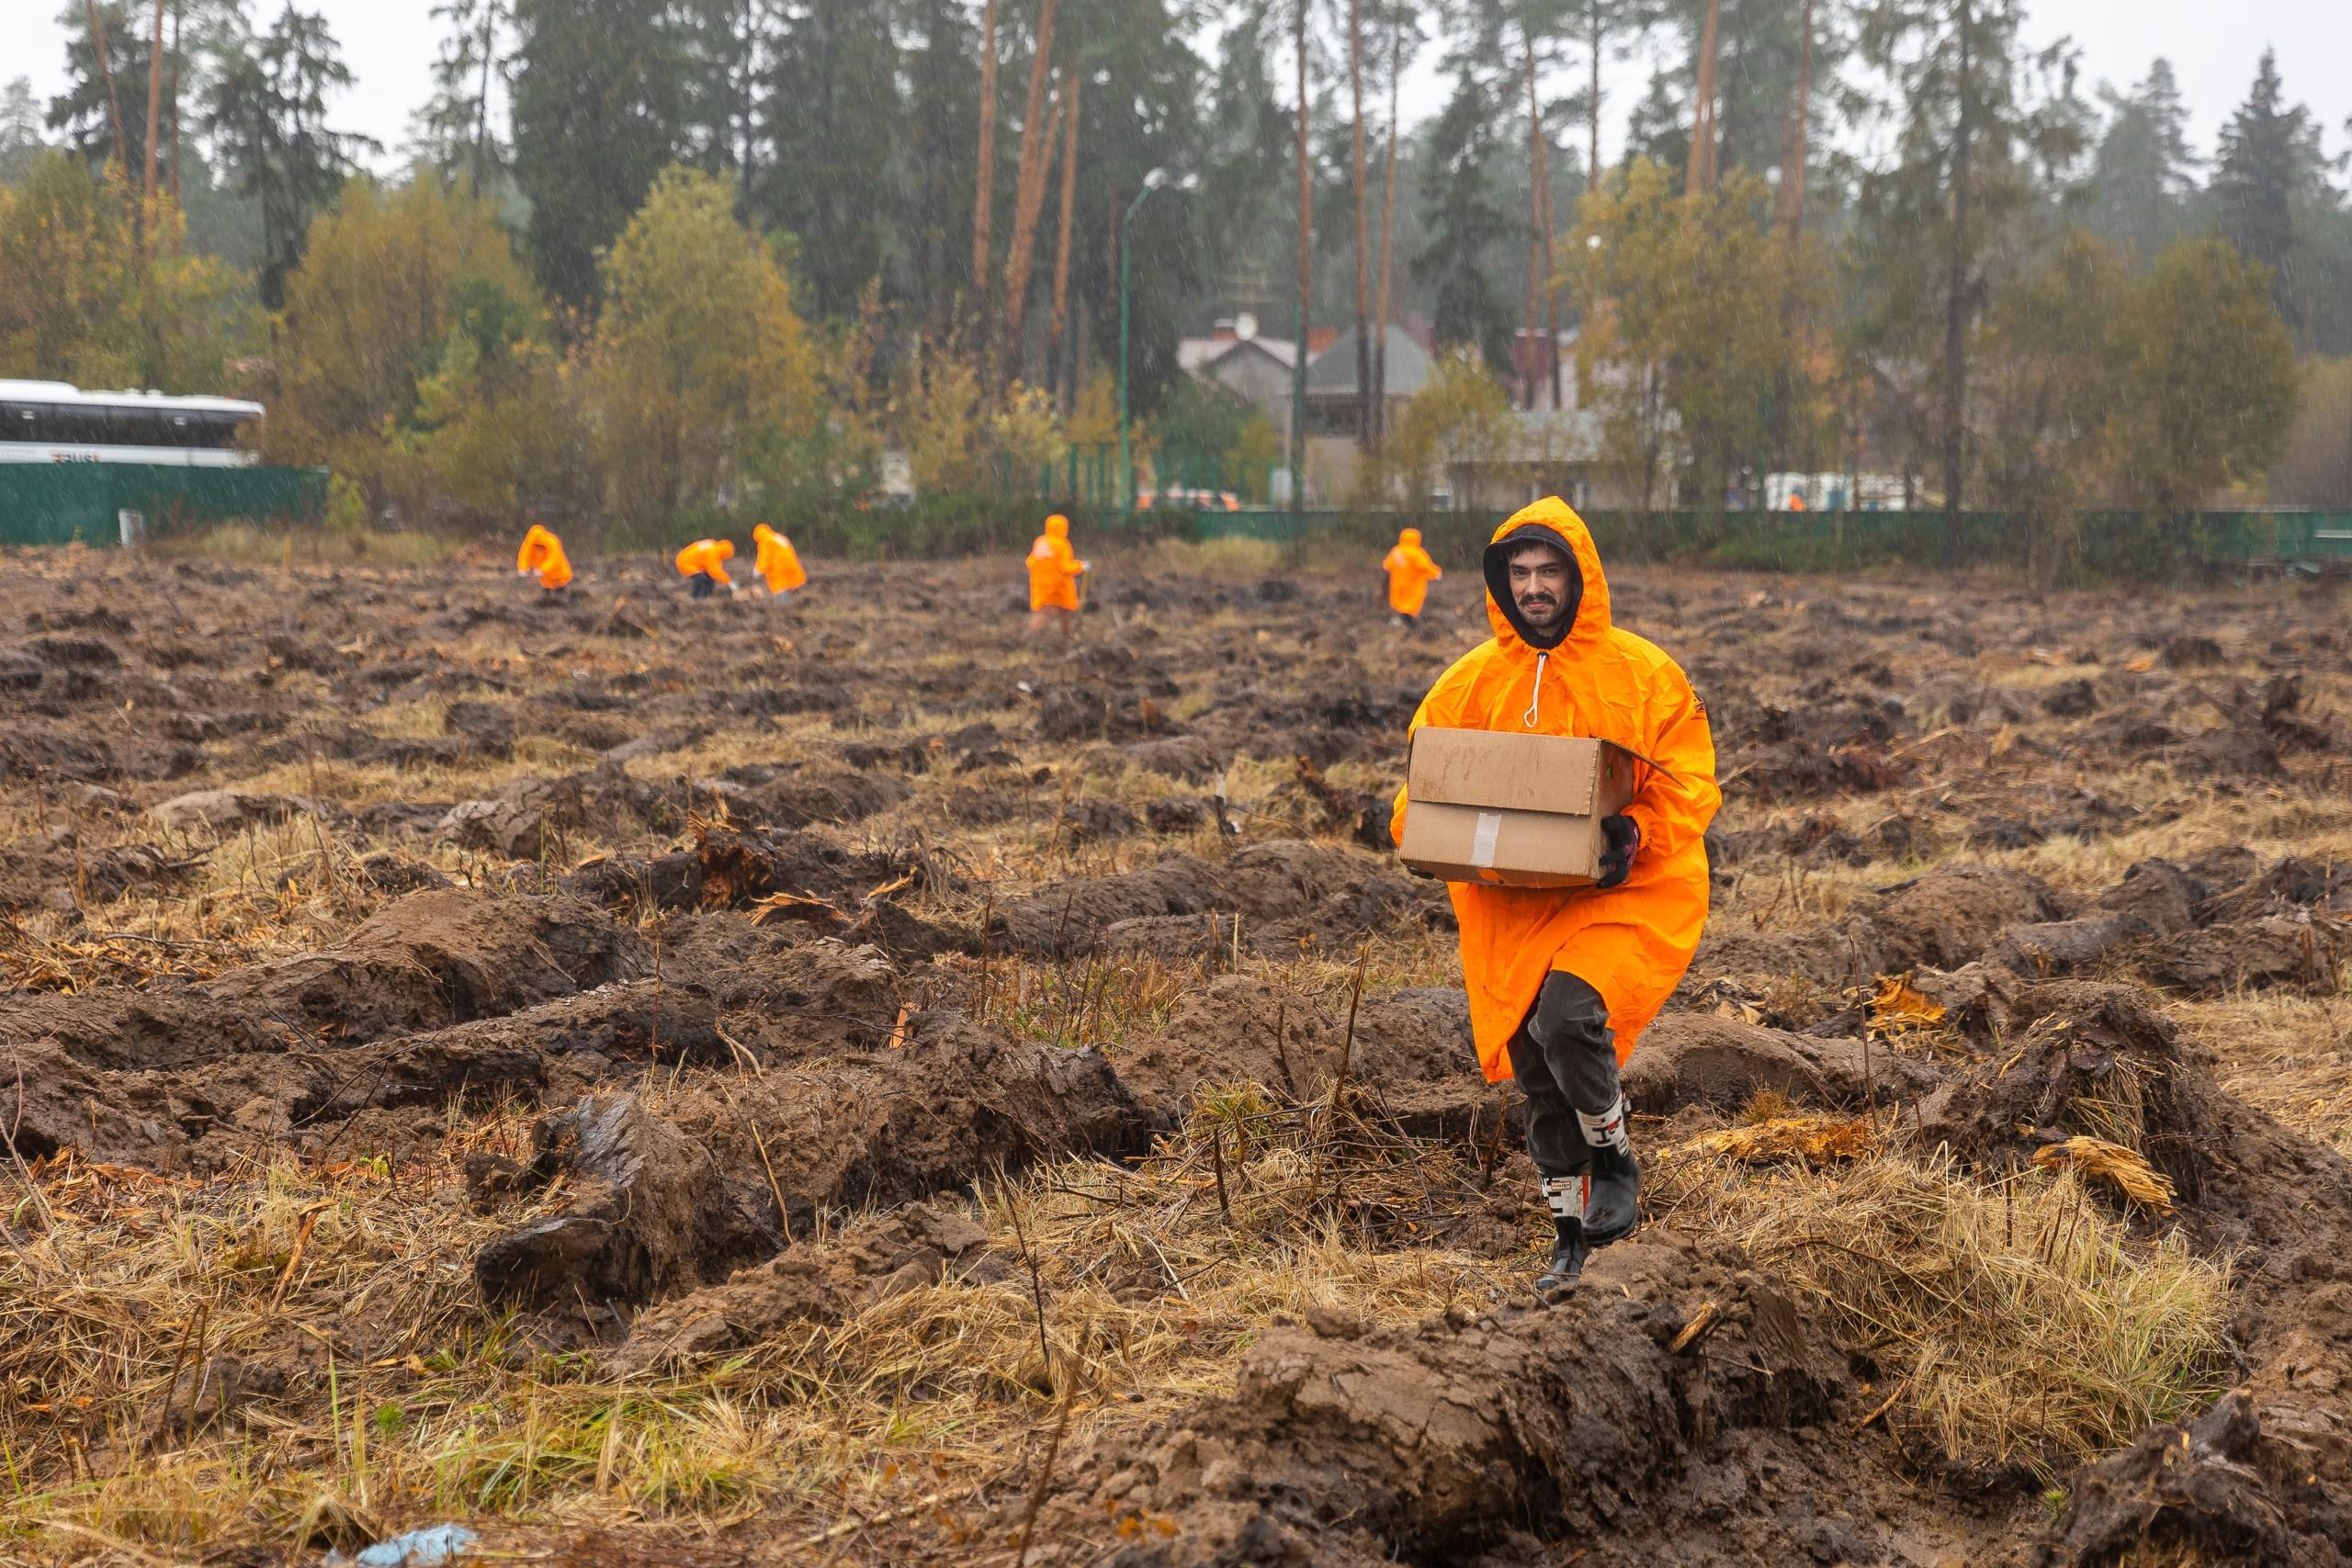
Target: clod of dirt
<point>1945,918</point>
<point>425,962</point>
<point>2071,699</point>
<point>223,812</point>
<point>952,1104</point>
<point>1311,891</point>
<point>2087,1059</point>
<point>1412,1046</point>
<point>2264,1477</point>
<point>822,1283</point>
<point>56,871</point>
<point>2158,893</point>
<point>1703,1059</point>
<point>2298,949</point>
<point>647,1211</point>
<point>1427,1445</point>
<point>1101,713</point>
<point>512,826</point>
<point>1188,758</point>
<point>2067,947</point>
<point>785,796</point>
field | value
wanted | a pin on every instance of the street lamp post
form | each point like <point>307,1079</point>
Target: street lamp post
<point>1151,182</point>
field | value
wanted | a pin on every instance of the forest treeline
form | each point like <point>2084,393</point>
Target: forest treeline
<point>653,257</point>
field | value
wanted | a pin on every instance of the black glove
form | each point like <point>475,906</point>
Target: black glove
<point>1624,837</point>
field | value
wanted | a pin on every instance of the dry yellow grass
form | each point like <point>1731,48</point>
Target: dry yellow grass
<point>404,1402</point>
<point>2026,1326</point>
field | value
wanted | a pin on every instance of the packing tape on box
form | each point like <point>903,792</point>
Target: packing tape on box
<point>1482,843</point>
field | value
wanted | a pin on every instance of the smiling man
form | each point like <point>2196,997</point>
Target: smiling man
<point>1562,981</point>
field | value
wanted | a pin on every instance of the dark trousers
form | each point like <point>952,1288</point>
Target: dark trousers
<point>1565,1057</point>
<point>702,584</point>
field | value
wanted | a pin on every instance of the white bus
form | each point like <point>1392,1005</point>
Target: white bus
<point>49,422</point>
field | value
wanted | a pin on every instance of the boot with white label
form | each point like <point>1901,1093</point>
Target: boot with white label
<point>1565,1196</point>
<point>1613,1184</point>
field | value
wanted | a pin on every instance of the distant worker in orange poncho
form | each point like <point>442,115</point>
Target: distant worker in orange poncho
<point>1054,573</point>
<point>542,552</point>
<point>777,562</point>
<point>1410,571</point>
<point>1563,981</point>
<point>703,565</point>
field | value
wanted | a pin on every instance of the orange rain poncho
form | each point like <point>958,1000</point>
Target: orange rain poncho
<point>542,552</point>
<point>710,556</point>
<point>777,562</point>
<point>1410,572</point>
<point>1632,942</point>
<point>1054,567</point>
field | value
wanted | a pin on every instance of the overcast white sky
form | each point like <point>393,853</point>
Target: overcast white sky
<point>2212,44</point>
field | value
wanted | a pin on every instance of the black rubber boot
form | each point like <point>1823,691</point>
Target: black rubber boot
<point>1612,1204</point>
<point>1565,1196</point>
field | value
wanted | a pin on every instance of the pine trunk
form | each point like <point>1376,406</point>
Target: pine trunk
<point>1306,276</point>
<point>178,8</point>
<point>1701,170</point>
<point>1597,35</point>
<point>106,73</point>
<point>1038,127</point>
<point>1387,240</point>
<point>1793,161</point>
<point>984,182</point>
<point>1057,366</point>
<point>1956,288</point>
<point>1537,245</point>
<point>1363,228</point>
<point>154,98</point>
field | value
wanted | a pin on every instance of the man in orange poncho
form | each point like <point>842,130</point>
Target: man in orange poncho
<point>776,561</point>
<point>1410,571</point>
<point>1053,571</point>
<point>703,565</point>
<point>542,552</point>
<point>1562,981</point>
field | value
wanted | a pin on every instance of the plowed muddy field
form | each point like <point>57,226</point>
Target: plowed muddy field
<point>671,1083</point>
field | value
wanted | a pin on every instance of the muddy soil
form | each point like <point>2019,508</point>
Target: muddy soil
<point>729,948</point>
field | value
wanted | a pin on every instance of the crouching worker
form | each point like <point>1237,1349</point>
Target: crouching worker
<point>1410,571</point>
<point>703,565</point>
<point>542,553</point>
<point>1054,573</point>
<point>777,563</point>
<point>1562,981</point>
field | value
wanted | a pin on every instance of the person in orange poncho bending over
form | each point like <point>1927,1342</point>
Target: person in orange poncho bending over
<point>542,552</point>
<point>703,565</point>
<point>1053,571</point>
<point>777,563</point>
<point>1563,981</point>
<point>1410,571</point>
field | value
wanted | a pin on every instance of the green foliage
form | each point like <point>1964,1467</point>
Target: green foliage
<point>601,95</point>
<point>409,318</point>
<point>267,117</point>
<point>1462,416</point>
<point>1689,305</point>
<point>698,357</point>
<point>92,293</point>
<point>1468,224</point>
<point>2208,380</point>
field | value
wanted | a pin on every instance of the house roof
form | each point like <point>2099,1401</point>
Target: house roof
<point>1196,355</point>
<point>1332,373</point>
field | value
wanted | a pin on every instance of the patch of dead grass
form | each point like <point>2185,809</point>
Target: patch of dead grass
<point>2025,1324</point>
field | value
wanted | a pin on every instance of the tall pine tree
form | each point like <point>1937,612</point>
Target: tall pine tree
<point>601,102</point>
<point>1468,224</point>
<point>2144,174</point>
<point>2269,160</point>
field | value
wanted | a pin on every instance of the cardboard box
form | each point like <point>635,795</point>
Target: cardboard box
<point>1509,810</point>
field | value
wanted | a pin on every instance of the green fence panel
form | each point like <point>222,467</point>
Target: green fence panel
<point>57,504</point>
